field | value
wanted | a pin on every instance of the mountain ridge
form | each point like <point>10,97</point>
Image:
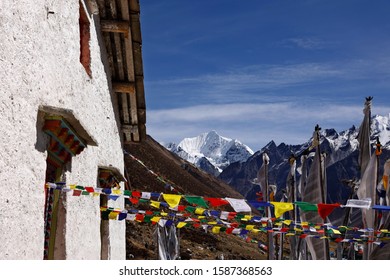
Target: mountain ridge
<point>341,148</point>
<point>210,151</point>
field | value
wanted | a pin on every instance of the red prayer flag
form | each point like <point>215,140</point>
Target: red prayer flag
<point>215,202</point>
<point>231,215</point>
<point>139,217</point>
<point>325,209</point>
<point>76,192</point>
<point>234,225</point>
<point>89,189</point>
<point>229,230</point>
<point>136,194</point>
<point>133,200</point>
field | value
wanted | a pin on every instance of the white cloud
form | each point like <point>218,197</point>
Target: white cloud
<point>259,103</point>
<point>254,124</point>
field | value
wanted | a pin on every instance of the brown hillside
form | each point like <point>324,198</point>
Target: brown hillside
<point>185,179</point>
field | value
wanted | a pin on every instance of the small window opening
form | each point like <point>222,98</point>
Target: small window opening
<point>85,36</point>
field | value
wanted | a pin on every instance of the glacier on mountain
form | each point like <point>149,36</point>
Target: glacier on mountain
<point>211,152</point>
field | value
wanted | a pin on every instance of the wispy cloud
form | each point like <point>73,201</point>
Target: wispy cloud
<point>256,83</point>
<point>254,124</point>
<point>259,103</point>
<point>307,43</point>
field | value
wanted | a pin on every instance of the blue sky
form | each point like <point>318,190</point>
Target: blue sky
<point>262,70</point>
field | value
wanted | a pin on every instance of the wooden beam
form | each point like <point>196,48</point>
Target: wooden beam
<point>133,131</point>
<point>123,87</point>
<point>129,59</point>
<point>118,26</point>
<point>129,128</point>
<point>133,109</point>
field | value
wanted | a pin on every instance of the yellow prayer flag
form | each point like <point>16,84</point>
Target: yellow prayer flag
<point>255,230</point>
<point>249,227</point>
<point>164,214</point>
<point>212,223</point>
<point>304,224</point>
<point>335,231</point>
<point>113,215</point>
<point>155,204</point>
<point>248,217</point>
<point>72,187</point>
<point>290,234</point>
<point>116,191</point>
<point>216,229</point>
<point>201,217</point>
<point>181,224</point>
<point>155,219</point>
<point>95,194</point>
<point>173,200</point>
<point>281,207</point>
<point>199,211</point>
<point>287,222</point>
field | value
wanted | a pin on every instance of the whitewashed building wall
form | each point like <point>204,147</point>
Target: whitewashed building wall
<point>40,66</point>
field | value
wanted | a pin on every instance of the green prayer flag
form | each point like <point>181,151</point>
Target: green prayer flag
<point>306,207</point>
<point>239,217</point>
<point>197,200</point>
<point>190,209</point>
<point>127,192</point>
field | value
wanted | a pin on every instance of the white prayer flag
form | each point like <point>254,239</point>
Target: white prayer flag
<point>146,195</point>
<point>239,205</point>
<point>359,203</point>
<point>130,217</point>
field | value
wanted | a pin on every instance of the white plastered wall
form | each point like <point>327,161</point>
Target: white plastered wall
<point>39,66</point>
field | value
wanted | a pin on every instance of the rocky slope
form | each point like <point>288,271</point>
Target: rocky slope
<point>186,179</point>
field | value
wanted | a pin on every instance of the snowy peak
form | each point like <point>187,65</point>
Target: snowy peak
<point>380,127</point>
<point>219,151</point>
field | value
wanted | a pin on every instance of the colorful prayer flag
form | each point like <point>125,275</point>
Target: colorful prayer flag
<point>281,207</point>
<point>324,210</point>
<point>173,200</point>
<point>216,202</point>
<point>239,205</point>
<point>197,200</point>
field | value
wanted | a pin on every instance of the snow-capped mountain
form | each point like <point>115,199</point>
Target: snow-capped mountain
<point>341,162</point>
<point>211,152</point>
